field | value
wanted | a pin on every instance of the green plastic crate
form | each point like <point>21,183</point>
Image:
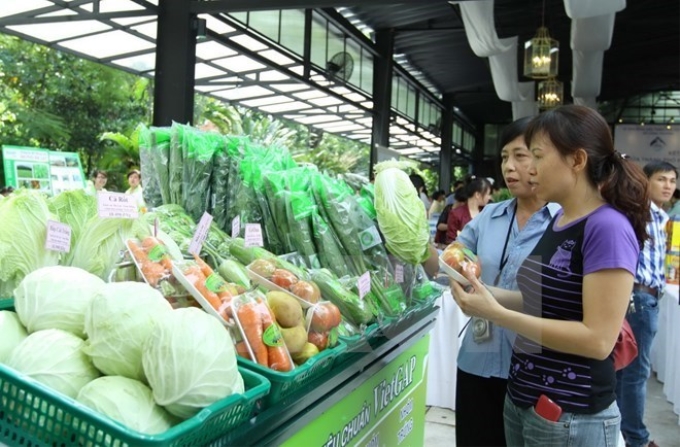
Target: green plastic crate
<point>283,384</point>
<point>33,415</point>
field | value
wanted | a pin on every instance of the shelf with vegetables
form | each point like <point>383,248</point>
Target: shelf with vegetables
<point>331,231</point>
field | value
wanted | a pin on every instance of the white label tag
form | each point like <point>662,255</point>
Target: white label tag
<point>369,238</point>
<point>399,273</point>
<point>58,237</point>
<point>155,227</point>
<point>117,205</point>
<point>201,234</point>
<point>254,235</point>
<point>236,227</point>
<point>364,284</point>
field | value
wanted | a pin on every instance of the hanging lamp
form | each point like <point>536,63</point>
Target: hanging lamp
<point>550,94</point>
<point>541,53</point>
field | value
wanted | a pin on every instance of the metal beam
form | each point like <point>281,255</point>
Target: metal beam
<point>216,6</point>
<point>445,170</point>
<point>382,93</point>
<point>175,63</point>
<point>74,18</point>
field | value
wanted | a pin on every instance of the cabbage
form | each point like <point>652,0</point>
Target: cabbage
<point>127,401</point>
<point>401,215</point>
<point>190,362</point>
<point>119,320</point>
<point>100,244</point>
<point>11,333</point>
<point>56,298</point>
<point>73,208</point>
<point>56,359</point>
<point>23,216</point>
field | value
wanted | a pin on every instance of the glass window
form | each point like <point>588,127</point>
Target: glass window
<point>457,134</point>
<point>293,30</point>
<point>366,69</point>
<point>411,102</point>
<point>319,38</point>
<point>240,16</point>
<point>266,23</point>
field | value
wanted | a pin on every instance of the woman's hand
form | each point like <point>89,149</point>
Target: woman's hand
<point>477,301</point>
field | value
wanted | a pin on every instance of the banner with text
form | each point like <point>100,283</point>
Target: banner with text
<point>649,143</point>
<point>386,410</point>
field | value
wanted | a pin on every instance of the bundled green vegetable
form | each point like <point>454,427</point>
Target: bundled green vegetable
<point>74,208</point>
<point>351,306</point>
<point>159,141</point>
<point>222,162</point>
<point>198,149</point>
<point>401,216</point>
<point>152,188</point>
<point>23,216</point>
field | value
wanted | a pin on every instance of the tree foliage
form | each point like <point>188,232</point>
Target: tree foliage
<point>58,101</point>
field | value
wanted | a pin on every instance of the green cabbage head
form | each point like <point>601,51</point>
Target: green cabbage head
<point>119,320</point>
<point>190,362</point>
<point>56,298</point>
<point>401,215</point>
<point>56,359</point>
<point>12,332</point>
<point>126,401</point>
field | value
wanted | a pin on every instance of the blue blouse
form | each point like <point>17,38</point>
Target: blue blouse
<point>485,235</point>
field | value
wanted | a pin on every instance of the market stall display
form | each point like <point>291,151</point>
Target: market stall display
<point>289,281</point>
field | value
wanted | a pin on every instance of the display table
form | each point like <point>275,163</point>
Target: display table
<point>442,359</point>
<point>375,396</point>
<point>666,347</point>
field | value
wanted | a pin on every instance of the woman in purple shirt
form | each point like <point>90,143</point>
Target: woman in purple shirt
<point>574,287</point>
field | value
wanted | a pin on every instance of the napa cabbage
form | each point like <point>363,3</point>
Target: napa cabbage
<point>56,298</point>
<point>117,323</point>
<point>401,215</point>
<point>190,362</point>
<point>74,208</point>
<point>56,359</point>
<point>126,401</point>
<point>23,217</point>
<point>12,333</point>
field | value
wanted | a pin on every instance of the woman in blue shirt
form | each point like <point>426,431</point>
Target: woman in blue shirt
<point>502,235</point>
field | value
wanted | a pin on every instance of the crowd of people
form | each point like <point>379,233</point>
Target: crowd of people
<point>578,249</point>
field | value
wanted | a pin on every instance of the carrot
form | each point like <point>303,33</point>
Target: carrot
<point>149,244</point>
<point>251,322</point>
<point>196,277</point>
<point>242,349</point>
<point>205,268</point>
<point>152,271</point>
<point>279,359</point>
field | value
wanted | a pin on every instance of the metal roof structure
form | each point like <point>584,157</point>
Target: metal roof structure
<point>416,86</point>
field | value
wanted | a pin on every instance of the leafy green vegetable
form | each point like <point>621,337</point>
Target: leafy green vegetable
<point>127,401</point>
<point>74,208</point>
<point>401,216</point>
<point>23,216</point>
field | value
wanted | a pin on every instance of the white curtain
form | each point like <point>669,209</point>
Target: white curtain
<point>592,27</point>
<point>480,30</point>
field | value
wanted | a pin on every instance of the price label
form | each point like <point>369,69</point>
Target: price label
<point>201,234</point>
<point>364,284</point>
<point>399,273</point>
<point>117,205</point>
<point>236,227</point>
<point>58,237</point>
<point>254,235</point>
<point>155,227</point>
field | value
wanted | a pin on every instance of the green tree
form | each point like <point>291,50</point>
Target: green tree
<point>61,102</point>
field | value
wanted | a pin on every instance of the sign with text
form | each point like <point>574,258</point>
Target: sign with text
<point>51,172</point>
<point>386,410</point>
<point>117,205</point>
<point>236,227</point>
<point>644,144</point>
<point>201,234</point>
<point>364,284</point>
<point>58,237</point>
<point>254,235</point>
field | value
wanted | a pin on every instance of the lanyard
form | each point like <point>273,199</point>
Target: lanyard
<point>504,259</point>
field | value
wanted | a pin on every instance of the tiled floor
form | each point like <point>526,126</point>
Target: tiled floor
<point>440,423</point>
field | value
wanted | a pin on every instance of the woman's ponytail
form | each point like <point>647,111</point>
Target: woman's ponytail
<point>626,188</point>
